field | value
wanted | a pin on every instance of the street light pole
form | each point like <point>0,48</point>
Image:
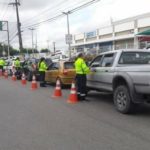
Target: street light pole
<point>68,28</point>
<point>54,47</point>
<point>8,40</point>
<point>32,29</point>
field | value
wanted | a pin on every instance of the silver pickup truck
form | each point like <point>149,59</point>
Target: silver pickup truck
<point>125,74</point>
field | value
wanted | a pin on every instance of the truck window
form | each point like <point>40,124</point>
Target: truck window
<point>96,62</point>
<point>135,58</point>
<point>108,60</point>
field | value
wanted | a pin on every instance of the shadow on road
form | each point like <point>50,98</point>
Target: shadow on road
<point>107,99</point>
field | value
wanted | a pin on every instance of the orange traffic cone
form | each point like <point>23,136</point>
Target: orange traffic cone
<point>23,79</point>
<point>34,85</point>
<point>13,76</point>
<point>57,92</point>
<point>6,74</point>
<point>1,73</point>
<point>73,94</point>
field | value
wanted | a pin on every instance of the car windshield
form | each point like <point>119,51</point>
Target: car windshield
<point>69,65</point>
<point>135,58</point>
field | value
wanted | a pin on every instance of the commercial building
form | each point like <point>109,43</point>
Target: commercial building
<point>119,35</point>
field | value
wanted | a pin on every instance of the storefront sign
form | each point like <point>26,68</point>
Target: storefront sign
<point>91,34</point>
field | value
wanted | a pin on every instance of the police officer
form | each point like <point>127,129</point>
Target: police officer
<point>2,64</point>
<point>81,70</point>
<point>17,63</point>
<point>18,68</point>
<point>42,68</point>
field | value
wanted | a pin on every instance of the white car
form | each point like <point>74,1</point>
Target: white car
<point>9,67</point>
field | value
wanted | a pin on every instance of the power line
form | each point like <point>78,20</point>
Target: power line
<point>84,5</point>
<point>61,15</point>
<point>56,10</point>
<point>46,11</point>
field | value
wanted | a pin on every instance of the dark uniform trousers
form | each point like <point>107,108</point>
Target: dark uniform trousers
<point>81,86</point>
<point>1,67</point>
<point>42,78</point>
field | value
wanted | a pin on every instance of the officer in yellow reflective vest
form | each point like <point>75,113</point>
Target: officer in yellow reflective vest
<point>42,68</point>
<point>81,70</point>
<point>17,63</point>
<point>2,64</point>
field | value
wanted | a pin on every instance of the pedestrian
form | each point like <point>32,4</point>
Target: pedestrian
<point>42,68</point>
<point>81,70</point>
<point>2,64</point>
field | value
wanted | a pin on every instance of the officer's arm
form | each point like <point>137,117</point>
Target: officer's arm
<point>85,67</point>
<point>45,66</point>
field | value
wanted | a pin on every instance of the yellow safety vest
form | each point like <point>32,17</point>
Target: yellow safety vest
<point>42,66</point>
<point>2,62</point>
<point>81,67</point>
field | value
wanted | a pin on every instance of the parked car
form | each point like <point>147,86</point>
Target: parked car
<point>9,67</point>
<point>31,67</point>
<point>62,70</point>
<point>125,74</point>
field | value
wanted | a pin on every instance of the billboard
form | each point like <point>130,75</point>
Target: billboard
<point>90,34</point>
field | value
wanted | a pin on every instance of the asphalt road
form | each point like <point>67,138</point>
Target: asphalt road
<point>33,120</point>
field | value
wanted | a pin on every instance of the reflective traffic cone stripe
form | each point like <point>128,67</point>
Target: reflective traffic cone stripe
<point>57,92</point>
<point>14,77</point>
<point>73,98</point>
<point>34,85</point>
<point>23,79</point>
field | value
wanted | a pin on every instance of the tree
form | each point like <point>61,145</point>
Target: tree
<point>44,51</point>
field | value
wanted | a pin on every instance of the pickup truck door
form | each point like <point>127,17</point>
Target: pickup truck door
<point>93,76</point>
<point>101,75</point>
<point>106,72</point>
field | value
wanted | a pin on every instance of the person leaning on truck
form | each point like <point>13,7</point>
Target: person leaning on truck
<point>42,68</point>
<point>81,70</point>
<point>2,64</point>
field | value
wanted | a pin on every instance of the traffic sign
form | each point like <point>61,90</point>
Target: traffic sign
<point>68,38</point>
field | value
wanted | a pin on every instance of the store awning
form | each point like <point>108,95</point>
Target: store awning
<point>144,33</point>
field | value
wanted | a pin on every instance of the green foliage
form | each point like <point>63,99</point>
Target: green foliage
<point>45,51</point>
<point>4,48</point>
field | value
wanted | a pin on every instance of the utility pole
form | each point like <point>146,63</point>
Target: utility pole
<point>36,46</point>
<point>69,36</point>
<point>54,47</point>
<point>18,24</point>
<point>8,40</point>
<point>48,44</point>
<point>32,29</point>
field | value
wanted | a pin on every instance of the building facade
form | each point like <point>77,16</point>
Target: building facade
<point>119,35</point>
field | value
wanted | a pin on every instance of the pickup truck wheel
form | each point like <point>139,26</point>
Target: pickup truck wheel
<point>122,99</point>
